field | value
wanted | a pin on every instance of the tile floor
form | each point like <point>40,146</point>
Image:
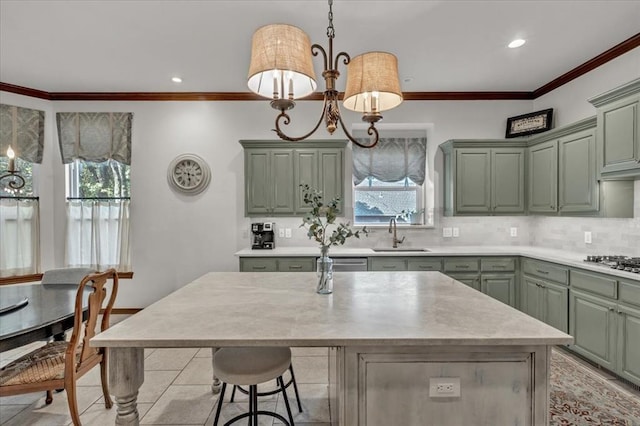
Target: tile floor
<point>177,391</point>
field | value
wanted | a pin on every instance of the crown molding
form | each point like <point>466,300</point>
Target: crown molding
<point>618,50</point>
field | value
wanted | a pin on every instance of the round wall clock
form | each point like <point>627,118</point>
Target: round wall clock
<point>189,174</point>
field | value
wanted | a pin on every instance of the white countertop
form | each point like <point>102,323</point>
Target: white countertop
<point>550,255</point>
<point>366,308</point>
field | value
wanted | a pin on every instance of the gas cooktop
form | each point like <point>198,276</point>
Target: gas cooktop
<point>622,263</point>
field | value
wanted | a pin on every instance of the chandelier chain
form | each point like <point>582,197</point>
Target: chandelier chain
<point>330,31</point>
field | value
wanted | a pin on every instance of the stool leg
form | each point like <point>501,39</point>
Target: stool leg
<point>253,394</point>
<point>220,398</point>
<point>286,400</point>
<point>295,387</point>
<point>233,393</point>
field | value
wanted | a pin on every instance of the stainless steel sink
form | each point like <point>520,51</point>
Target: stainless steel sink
<point>391,249</point>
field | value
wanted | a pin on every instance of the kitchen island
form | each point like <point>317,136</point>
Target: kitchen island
<point>392,337</point>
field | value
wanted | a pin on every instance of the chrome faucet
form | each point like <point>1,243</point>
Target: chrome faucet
<point>393,228</point>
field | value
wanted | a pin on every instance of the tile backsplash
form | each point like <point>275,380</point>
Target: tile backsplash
<point>608,236</point>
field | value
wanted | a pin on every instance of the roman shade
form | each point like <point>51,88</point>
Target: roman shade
<point>95,136</point>
<point>392,160</point>
<point>23,130</point>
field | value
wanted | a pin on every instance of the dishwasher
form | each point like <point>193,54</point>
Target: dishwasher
<point>349,264</point>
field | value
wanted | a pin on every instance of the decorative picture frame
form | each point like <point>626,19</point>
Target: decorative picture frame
<point>529,124</point>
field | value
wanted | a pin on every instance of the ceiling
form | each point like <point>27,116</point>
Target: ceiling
<point>138,45</point>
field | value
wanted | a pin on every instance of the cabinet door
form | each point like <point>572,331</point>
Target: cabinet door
<point>305,172</point>
<point>578,179</point>
<point>543,177</point>
<point>331,178</point>
<point>296,264</point>
<point>507,180</point>
<point>281,173</point>
<point>629,343</point>
<point>473,180</point>
<point>387,264</point>
<point>531,299</point>
<point>592,323</point>
<point>472,280</point>
<point>257,176</point>
<point>501,287</point>
<point>618,127</point>
<point>555,306</point>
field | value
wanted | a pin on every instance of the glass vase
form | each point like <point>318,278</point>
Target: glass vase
<point>324,268</point>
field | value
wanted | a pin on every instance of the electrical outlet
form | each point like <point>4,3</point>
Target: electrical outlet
<point>456,232</point>
<point>444,387</point>
<point>281,232</point>
<point>587,237</point>
<point>514,231</point>
<point>447,232</point>
<point>287,232</point>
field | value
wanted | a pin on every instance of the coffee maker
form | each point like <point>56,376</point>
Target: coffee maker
<point>263,235</point>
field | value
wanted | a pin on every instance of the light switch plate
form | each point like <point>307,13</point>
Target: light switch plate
<point>447,232</point>
<point>456,232</point>
<point>287,232</point>
<point>281,232</point>
<point>514,231</point>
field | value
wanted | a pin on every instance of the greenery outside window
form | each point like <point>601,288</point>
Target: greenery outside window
<point>376,201</point>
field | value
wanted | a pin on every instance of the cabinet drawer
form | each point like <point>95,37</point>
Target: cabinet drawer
<point>429,264</point>
<point>462,264</point>
<point>598,284</point>
<point>497,264</point>
<point>545,270</point>
<point>387,264</point>
<point>296,264</point>
<point>257,264</point>
<point>629,292</point>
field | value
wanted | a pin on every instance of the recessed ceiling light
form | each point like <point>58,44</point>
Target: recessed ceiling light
<point>517,43</point>
<point>176,80</point>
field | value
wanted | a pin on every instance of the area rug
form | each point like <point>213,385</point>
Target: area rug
<point>582,397</point>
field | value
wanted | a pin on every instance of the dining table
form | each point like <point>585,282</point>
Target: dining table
<point>31,312</point>
<point>404,347</point>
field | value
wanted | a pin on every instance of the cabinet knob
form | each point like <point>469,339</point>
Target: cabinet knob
<point>612,309</point>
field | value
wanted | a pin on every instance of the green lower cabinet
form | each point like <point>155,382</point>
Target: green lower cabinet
<point>555,306</point>
<point>387,264</point>
<point>531,300</point>
<point>629,343</point>
<point>501,287</point>
<point>472,280</point>
<point>258,264</point>
<point>424,264</point>
<point>593,325</point>
<point>277,264</point>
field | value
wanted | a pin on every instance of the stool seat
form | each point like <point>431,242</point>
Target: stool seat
<point>251,365</point>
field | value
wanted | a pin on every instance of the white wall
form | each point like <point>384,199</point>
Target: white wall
<point>177,238</point>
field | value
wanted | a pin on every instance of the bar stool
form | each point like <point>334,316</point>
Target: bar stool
<point>250,367</point>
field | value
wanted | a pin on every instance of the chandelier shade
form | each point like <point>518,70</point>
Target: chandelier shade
<point>281,63</point>
<point>372,83</point>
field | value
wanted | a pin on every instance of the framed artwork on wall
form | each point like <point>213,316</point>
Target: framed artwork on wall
<point>529,124</point>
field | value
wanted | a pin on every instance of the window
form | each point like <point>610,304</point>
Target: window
<point>98,215</point>
<point>96,148</point>
<point>23,131</point>
<point>376,201</point>
<point>391,181</point>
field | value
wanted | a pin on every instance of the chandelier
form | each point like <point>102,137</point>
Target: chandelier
<point>14,180</point>
<point>282,69</point>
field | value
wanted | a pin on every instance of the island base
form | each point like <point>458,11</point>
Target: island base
<point>498,385</point>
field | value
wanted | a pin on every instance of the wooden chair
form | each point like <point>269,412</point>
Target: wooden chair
<point>59,364</point>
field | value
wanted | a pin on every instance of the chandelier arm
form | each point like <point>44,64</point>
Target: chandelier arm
<point>314,51</point>
<point>12,183</point>
<point>370,131</point>
<point>345,61</point>
<point>287,120</point>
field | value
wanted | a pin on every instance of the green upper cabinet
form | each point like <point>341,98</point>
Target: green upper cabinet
<point>562,173</point>
<point>577,180</point>
<point>618,131</point>
<point>543,177</point>
<point>484,177</point>
<point>274,170</point>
